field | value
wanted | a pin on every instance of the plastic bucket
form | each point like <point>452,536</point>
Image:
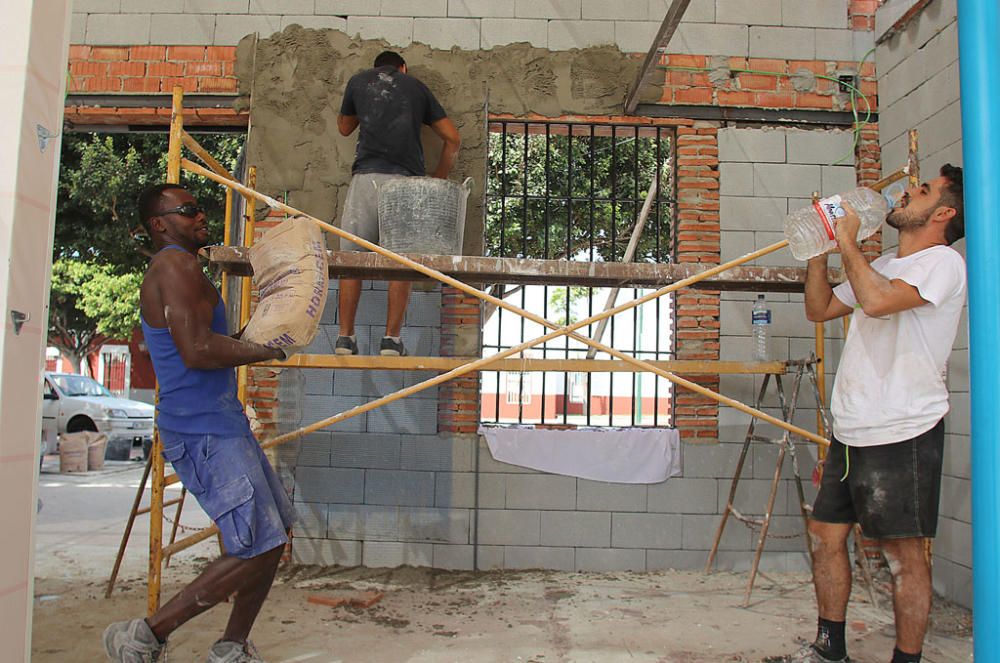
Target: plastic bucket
<point>422,215</point>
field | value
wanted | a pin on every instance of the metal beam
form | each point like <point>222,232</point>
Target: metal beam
<point>471,269</point>
<point>149,100</point>
<point>670,22</point>
<point>979,51</point>
<point>758,115</point>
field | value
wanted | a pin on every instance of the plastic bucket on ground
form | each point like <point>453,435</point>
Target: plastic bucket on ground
<point>422,215</point>
<point>73,452</point>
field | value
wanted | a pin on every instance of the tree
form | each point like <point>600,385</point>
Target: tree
<point>573,192</point>
<point>100,179</point>
<point>101,248</point>
<point>89,304</point>
<point>562,310</point>
<point>576,197</point>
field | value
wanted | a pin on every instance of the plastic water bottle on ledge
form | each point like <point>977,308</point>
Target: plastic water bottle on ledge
<point>760,318</point>
<point>810,231</point>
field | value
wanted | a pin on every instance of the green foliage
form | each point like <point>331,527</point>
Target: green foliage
<point>101,248</point>
<point>577,198</point>
<point>558,302</point>
<point>100,179</point>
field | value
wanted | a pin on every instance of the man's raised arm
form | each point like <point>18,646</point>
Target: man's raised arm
<point>188,315</point>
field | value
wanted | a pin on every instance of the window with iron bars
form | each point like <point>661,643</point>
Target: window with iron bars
<point>575,191</point>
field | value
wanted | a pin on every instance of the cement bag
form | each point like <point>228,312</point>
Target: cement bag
<point>73,452</point>
<point>96,446</point>
<point>290,272</point>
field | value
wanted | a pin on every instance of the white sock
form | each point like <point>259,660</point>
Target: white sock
<point>396,339</point>
<point>353,337</point>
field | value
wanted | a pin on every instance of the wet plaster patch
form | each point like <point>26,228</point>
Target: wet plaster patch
<point>293,83</point>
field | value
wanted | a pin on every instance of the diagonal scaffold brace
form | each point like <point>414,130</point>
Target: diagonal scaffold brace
<point>557,330</point>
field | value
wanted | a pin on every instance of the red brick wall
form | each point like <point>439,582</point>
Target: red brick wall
<point>687,82</point>
<point>698,237</point>
<point>458,399</point>
<point>862,14</point>
<point>151,70</point>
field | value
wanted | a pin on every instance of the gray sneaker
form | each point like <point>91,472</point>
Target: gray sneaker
<point>132,642</point>
<point>227,651</point>
<point>345,345</point>
<point>807,654</point>
<point>390,348</point>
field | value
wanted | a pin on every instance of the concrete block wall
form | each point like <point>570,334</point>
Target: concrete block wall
<point>765,173</point>
<point>795,29</point>
<point>392,487</point>
<point>919,88</point>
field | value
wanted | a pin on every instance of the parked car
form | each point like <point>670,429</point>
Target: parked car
<point>74,403</point>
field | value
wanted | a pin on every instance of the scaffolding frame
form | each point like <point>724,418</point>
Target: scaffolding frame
<point>454,366</point>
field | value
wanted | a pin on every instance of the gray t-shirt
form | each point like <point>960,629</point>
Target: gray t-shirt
<point>391,107</point>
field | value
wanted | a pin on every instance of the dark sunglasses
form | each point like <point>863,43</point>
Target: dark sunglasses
<point>189,210</point>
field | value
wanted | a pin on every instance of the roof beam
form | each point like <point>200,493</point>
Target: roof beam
<point>670,22</point>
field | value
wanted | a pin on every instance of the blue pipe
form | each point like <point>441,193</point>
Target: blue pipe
<point>979,54</point>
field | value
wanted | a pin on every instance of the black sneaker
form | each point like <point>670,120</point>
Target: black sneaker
<point>390,348</point>
<point>345,345</point>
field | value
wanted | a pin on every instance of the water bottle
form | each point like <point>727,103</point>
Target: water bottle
<point>810,230</point>
<point>760,318</point>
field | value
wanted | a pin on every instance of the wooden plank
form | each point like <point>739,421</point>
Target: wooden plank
<point>675,12</point>
<point>481,270</point>
<point>194,539</point>
<point>683,367</point>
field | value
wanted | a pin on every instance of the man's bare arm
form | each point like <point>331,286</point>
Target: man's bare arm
<point>877,295</point>
<point>445,129</point>
<point>821,303</point>
<point>346,124</point>
<point>188,314</point>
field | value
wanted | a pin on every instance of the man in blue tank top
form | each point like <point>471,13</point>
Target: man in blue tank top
<point>206,437</point>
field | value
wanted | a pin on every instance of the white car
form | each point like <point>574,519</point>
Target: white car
<point>74,403</point>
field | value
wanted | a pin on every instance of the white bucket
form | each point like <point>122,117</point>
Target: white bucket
<point>422,215</point>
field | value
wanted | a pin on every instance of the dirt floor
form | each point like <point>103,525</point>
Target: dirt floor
<point>538,616</point>
<point>427,615</point>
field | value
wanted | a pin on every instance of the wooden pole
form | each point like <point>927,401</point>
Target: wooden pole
<point>176,141</point>
<point>526,364</point>
<point>558,331</point>
<point>227,238</point>
<point>128,528</point>
<point>174,159</point>
<point>821,382</point>
<point>249,228</point>
<point>193,145</point>
<point>633,244</point>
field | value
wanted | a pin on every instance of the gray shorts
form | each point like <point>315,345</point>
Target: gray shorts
<point>360,215</point>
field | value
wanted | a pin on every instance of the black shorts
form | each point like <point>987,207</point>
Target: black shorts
<point>891,490</point>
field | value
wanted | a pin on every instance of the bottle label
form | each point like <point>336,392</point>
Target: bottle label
<point>829,210</point>
<point>761,317</point>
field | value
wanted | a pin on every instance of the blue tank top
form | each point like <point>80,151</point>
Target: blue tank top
<point>192,400</point>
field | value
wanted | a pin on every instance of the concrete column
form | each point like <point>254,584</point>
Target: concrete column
<point>32,86</point>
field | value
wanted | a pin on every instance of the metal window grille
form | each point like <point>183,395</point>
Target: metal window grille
<point>574,191</point>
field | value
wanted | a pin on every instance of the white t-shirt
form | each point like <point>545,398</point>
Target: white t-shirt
<point>890,384</point>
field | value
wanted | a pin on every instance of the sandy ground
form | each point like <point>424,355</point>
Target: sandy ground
<point>428,615</point>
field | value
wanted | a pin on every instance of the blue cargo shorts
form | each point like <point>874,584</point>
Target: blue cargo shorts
<point>236,486</point>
